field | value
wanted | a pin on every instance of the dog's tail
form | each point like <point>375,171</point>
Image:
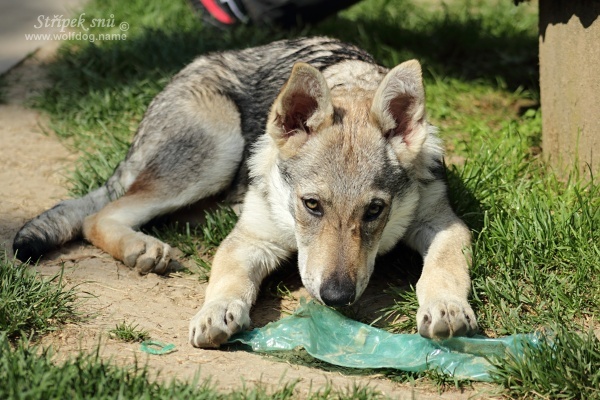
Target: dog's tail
<point>64,221</point>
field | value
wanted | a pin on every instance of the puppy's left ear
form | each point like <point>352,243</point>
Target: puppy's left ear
<point>302,108</point>
<point>399,109</point>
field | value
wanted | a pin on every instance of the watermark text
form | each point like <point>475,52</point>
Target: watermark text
<point>81,22</point>
<point>89,37</point>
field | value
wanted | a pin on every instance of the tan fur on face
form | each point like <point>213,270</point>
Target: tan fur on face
<point>337,245</point>
<point>340,242</point>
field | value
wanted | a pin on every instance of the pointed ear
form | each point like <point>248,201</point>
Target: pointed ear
<point>399,109</point>
<point>302,108</point>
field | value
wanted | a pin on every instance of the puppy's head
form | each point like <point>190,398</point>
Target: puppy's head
<point>348,159</point>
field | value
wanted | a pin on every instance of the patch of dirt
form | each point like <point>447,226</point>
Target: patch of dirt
<point>33,166</point>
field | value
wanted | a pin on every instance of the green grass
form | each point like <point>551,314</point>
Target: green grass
<point>536,261</point>
<point>217,226</point>
<point>28,372</point>
<point>564,365</point>
<point>536,253</point>
<point>128,332</point>
<point>29,305</point>
<point>199,243</point>
<point>537,231</point>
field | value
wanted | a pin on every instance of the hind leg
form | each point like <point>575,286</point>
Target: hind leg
<point>190,154</point>
<point>113,230</point>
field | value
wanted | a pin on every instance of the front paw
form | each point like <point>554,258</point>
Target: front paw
<point>442,319</point>
<point>217,321</point>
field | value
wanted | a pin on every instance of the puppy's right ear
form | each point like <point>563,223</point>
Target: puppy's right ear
<point>302,108</point>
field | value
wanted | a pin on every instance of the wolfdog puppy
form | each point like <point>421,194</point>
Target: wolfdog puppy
<point>335,161</point>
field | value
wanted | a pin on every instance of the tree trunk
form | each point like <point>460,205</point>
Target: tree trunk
<point>570,84</point>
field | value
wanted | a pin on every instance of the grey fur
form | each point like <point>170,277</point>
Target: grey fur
<point>54,227</point>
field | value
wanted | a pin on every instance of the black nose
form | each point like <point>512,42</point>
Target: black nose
<point>338,290</point>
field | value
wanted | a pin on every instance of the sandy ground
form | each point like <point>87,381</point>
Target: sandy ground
<point>32,178</point>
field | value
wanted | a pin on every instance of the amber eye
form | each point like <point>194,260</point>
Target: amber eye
<point>313,206</point>
<point>373,211</point>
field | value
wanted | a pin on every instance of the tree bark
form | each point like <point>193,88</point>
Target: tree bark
<point>570,84</point>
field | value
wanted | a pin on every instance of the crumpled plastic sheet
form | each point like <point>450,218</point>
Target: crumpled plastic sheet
<point>331,337</point>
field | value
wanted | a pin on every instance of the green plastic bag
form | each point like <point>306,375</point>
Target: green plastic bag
<point>329,336</point>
